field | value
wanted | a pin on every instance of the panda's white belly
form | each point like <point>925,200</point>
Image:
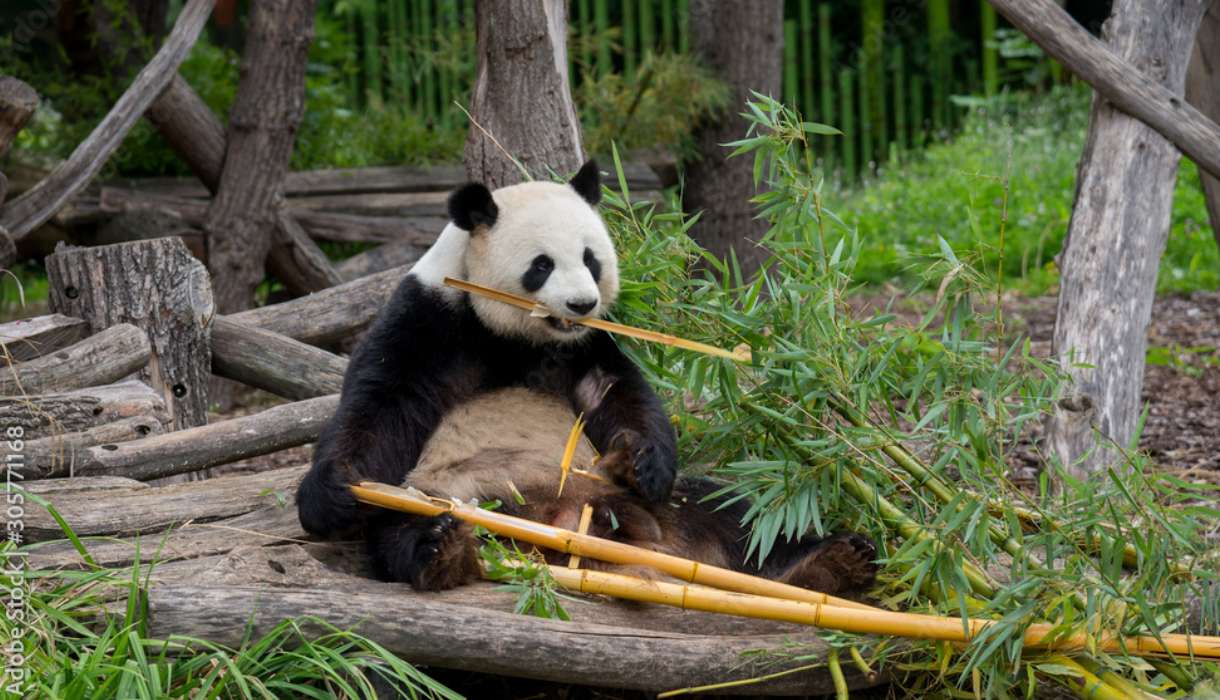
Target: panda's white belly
<point>509,435</point>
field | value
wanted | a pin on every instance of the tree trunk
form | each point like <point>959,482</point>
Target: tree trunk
<point>158,287</point>
<point>1203,91</point>
<point>521,96</point>
<point>262,123</point>
<point>1119,226</point>
<point>743,42</point>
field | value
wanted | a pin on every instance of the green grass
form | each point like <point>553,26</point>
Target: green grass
<point>954,190</point>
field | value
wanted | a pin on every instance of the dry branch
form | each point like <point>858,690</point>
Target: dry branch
<point>192,449</point>
<point>37,205</point>
<point>296,261</point>
<point>100,359</point>
<point>131,511</point>
<point>424,630</point>
<point>273,362</point>
<point>188,125</point>
<point>32,337</point>
<point>1128,88</point>
<point>44,415</point>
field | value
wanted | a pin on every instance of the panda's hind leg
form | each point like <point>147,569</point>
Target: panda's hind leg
<point>841,563</point>
<point>430,553</point>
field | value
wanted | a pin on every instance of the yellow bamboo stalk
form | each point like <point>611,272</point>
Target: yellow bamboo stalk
<point>862,621</point>
<point>740,354</point>
<point>570,542</point>
<point>751,596</point>
<point>1088,685</point>
<point>586,517</point>
<point>569,450</point>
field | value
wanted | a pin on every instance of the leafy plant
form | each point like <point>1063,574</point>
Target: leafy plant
<point>527,575</point>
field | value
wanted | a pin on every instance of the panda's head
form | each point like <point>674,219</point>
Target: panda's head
<point>544,241</point>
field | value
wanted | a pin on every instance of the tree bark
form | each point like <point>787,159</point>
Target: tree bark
<point>58,455</point>
<point>158,287</point>
<point>1203,91</point>
<point>1118,230</point>
<point>188,125</point>
<point>262,123</point>
<point>273,362</point>
<point>521,96</point>
<point>33,337</point>
<point>44,415</point>
<point>743,42</point>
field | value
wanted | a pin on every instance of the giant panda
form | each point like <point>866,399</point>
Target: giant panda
<point>466,397</point>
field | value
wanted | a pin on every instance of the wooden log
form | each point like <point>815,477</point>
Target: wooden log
<point>330,315</point>
<point>29,211</point>
<point>193,449</point>
<point>147,224</point>
<point>491,641</point>
<point>32,337</point>
<point>18,103</point>
<point>158,287</point>
<point>1203,91</point>
<point>99,359</point>
<point>380,259</point>
<point>43,415</point>
<point>188,125</point>
<point>274,362</point>
<point>50,488</point>
<point>58,455</point>
<point>150,510</point>
<point>296,261</point>
<point>356,228</point>
<point>414,204</point>
<point>1135,89</point>
<point>1124,198</point>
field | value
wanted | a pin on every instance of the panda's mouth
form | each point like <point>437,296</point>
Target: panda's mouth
<point>563,325</point>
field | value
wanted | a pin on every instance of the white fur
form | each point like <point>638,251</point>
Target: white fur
<point>540,218</point>
<point>446,258</point>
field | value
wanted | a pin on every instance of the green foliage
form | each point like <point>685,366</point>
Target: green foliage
<point>859,419</point>
<point>954,190</point>
<point>527,575</point>
<point>79,645</point>
<point>670,95</point>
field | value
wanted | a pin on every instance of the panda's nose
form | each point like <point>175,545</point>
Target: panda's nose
<point>581,307</point>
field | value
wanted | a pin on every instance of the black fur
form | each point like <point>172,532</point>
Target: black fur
<point>471,205</point>
<point>588,183</point>
<point>424,355</point>
<point>594,265</point>
<point>540,270</point>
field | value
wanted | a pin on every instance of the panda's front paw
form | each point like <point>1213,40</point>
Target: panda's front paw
<point>645,466</point>
<point>325,503</point>
<point>431,554</point>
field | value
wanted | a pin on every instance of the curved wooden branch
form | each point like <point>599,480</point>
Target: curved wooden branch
<point>273,362</point>
<point>1125,86</point>
<point>100,359</point>
<point>33,208</point>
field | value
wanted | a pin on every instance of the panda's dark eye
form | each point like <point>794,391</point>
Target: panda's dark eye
<point>595,267</point>
<point>535,277</point>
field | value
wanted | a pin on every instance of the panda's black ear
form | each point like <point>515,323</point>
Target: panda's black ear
<point>588,183</point>
<point>471,205</point>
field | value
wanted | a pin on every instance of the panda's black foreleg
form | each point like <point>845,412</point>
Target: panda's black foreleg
<point>430,553</point>
<point>841,563</point>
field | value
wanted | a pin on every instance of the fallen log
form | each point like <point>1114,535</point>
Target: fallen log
<point>58,455</point>
<point>190,128</point>
<point>193,449</point>
<point>273,362</point>
<point>99,359</point>
<point>29,211</point>
<point>354,228</point>
<point>31,337</point>
<point>295,260</point>
<point>158,287</point>
<point>1128,88</point>
<point>145,225</point>
<point>380,259</point>
<point>44,415</point>
<point>18,102</point>
<point>132,511</point>
<point>427,632</point>
<point>329,315</point>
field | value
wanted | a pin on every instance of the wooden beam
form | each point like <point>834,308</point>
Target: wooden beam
<point>32,337</point>
<point>1203,91</point>
<point>273,362</point>
<point>1129,88</point>
<point>43,415</point>
<point>34,207</point>
<point>59,454</point>
<point>193,449</point>
<point>380,259</point>
<point>99,359</point>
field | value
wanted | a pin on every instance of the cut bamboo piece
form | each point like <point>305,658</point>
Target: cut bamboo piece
<point>750,596</point>
<point>861,621</point>
<point>571,542</point>
<point>739,354</point>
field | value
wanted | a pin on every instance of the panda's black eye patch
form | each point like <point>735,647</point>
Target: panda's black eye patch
<point>594,265</point>
<point>540,270</point>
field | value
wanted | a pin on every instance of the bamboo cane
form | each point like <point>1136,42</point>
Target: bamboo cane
<point>570,542</point>
<point>751,596</point>
<point>740,354</point>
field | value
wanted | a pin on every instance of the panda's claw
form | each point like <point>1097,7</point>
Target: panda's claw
<point>654,472</point>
